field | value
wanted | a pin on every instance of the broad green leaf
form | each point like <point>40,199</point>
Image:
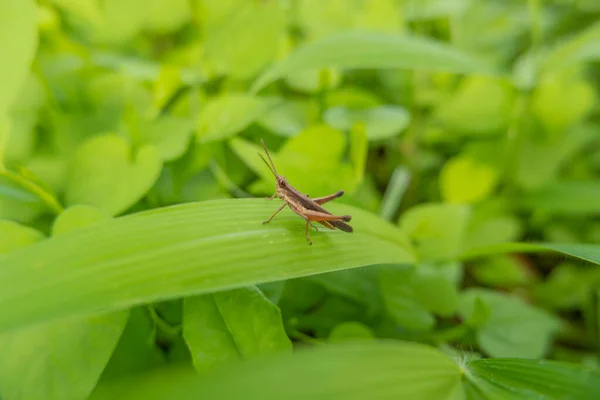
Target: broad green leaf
<point>15,236</point>
<point>363,50</point>
<point>488,228</point>
<point>465,180</point>
<point>565,197</point>
<point>373,370</point>
<point>381,122</point>
<point>413,295</point>
<point>562,101</point>
<point>75,217</point>
<point>180,251</point>
<point>227,115</point>
<point>319,19</point>
<point>480,106</point>
<point>436,229</point>
<point>165,16</point>
<point>69,355</point>
<point>18,42</point>
<point>360,285</point>
<point>516,379</point>
<point>232,325</point>
<point>514,328</point>
<point>136,350</point>
<point>567,287</point>
<point>289,118</point>
<point>106,175</point>
<point>350,331</point>
<point>231,42</point>
<point>399,299</point>
<point>540,157</point>
<point>503,271</point>
<point>170,135</point>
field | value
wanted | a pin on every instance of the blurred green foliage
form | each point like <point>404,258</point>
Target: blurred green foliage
<point>455,127</point>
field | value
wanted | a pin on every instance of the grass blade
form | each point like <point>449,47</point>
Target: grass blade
<point>179,251</point>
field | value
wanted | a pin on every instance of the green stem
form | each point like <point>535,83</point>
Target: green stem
<point>47,198</point>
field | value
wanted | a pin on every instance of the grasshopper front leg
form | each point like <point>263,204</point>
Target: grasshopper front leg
<point>274,214</point>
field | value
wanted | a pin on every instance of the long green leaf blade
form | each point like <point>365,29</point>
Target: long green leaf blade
<point>358,370</point>
<point>353,50</point>
<point>178,251</point>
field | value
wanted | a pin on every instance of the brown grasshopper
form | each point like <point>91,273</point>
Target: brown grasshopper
<point>301,204</point>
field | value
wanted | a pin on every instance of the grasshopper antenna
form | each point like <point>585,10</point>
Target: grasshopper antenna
<point>272,166</point>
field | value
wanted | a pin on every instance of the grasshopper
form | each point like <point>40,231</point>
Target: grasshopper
<point>304,206</point>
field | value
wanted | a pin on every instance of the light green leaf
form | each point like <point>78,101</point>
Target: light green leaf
<point>351,371</point>
<point>15,236</point>
<point>78,216</point>
<point>399,299</point>
<point>60,360</point>
<point>136,350</point>
<point>381,122</point>
<point>314,80</point>
<point>566,197</point>
<point>232,325</point>
<point>180,251</point>
<point>437,229</point>
<point>231,37</point>
<point>18,42</point>
<point>289,118</point>
<point>106,175</point>
<point>563,100</point>
<point>518,379</point>
<point>170,135</point>
<point>480,106</point>
<point>350,331</point>
<point>514,328</point>
<point>362,50</point>
<point>466,180</point>
<point>227,115</point>
<point>413,295</point>
<point>69,355</point>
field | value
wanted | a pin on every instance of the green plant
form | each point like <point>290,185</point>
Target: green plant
<point>133,260</point>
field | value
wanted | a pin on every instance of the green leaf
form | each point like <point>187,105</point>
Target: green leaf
<point>466,180</point>
<point>413,295</point>
<point>565,197</point>
<point>232,325</point>
<point>465,113</point>
<point>18,42</point>
<point>227,115</point>
<point>350,331</point>
<point>68,356</point>
<point>179,251</point>
<point>289,118</point>
<point>15,236</point>
<point>363,50</point>
<point>437,229</point>
<point>76,217</point>
<point>381,122</point>
<point>232,34</point>
<point>106,175</point>
<point>170,135</point>
<point>373,370</point>
<point>136,350</point>
<point>506,378</point>
<point>514,328</point>
<point>579,48</point>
